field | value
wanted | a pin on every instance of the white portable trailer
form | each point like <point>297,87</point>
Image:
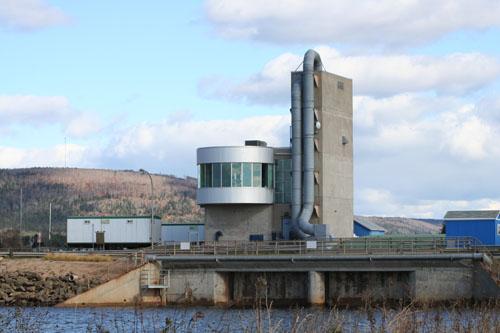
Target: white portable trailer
<point>119,231</point>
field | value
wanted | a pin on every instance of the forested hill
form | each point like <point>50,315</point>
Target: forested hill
<point>107,192</point>
<point>90,192</point>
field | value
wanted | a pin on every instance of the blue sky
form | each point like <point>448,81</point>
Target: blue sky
<point>134,85</point>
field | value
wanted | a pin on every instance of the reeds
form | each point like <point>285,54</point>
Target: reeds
<point>481,317</point>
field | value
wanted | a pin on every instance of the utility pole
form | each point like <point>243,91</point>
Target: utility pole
<point>50,221</point>
<point>65,152</point>
<point>21,218</point>
<point>142,171</point>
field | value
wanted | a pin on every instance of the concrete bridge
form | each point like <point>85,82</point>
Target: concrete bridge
<point>319,272</point>
<point>316,273</point>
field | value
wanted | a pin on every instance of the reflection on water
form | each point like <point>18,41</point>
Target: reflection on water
<point>206,319</point>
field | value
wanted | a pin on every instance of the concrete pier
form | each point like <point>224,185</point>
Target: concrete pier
<point>316,292</point>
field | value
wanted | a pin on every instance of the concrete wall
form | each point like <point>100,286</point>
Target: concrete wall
<point>123,290</point>
<point>281,288</point>
<point>334,160</point>
<point>369,286</point>
<point>448,281</point>
<point>196,287</point>
<point>238,222</point>
<point>443,283</point>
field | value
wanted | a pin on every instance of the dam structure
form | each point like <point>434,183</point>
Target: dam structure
<point>279,227</point>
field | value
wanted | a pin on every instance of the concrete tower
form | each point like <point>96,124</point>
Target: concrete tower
<point>334,153</point>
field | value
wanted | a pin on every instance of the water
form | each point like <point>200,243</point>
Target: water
<point>210,319</point>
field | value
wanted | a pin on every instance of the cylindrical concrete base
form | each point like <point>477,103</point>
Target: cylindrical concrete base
<point>316,292</point>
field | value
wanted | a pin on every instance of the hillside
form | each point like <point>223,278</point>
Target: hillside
<point>108,192</point>
<point>91,192</point>
<point>403,225</point>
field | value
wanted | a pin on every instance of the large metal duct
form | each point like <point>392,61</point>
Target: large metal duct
<point>312,62</point>
<point>296,111</point>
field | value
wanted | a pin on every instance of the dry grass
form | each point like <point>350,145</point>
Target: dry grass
<point>77,257</point>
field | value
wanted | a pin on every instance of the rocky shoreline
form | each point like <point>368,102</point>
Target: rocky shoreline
<point>24,288</point>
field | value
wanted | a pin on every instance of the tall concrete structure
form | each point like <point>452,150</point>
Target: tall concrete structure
<point>334,153</point>
<point>255,192</point>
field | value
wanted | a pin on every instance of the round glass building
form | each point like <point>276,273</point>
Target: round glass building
<point>235,175</point>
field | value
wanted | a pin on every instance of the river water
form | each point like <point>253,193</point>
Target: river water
<point>210,319</point>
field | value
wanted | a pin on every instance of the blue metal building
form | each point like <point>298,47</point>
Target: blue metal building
<point>365,228</point>
<point>481,224</point>
<point>182,232</point>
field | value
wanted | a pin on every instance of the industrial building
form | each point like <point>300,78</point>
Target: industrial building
<point>182,232</point>
<point>112,231</point>
<point>366,228</point>
<point>481,224</point>
<point>256,192</point>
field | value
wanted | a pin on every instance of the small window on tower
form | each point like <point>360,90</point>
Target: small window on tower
<point>130,221</point>
<point>340,85</point>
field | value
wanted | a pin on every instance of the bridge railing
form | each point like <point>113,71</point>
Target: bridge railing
<point>341,246</point>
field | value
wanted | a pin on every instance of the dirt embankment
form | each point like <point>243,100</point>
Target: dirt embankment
<point>37,282</point>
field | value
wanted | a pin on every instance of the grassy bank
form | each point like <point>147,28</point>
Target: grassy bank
<point>77,257</point>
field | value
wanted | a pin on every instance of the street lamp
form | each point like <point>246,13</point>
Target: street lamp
<point>144,172</point>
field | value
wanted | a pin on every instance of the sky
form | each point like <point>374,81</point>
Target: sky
<point>141,84</point>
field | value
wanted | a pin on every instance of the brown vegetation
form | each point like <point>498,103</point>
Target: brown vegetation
<point>91,192</point>
<point>77,257</point>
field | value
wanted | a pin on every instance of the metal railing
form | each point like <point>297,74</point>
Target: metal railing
<point>341,246</point>
<point>155,279</point>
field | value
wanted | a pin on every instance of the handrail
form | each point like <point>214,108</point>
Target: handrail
<point>340,246</point>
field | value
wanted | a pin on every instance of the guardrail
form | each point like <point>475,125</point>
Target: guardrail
<point>341,246</point>
<point>24,253</point>
<point>346,246</point>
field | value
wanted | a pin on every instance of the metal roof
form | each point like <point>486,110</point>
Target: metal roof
<point>369,225</point>
<point>472,215</point>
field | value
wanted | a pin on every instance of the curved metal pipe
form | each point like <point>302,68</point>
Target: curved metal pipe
<point>312,62</point>
<point>296,111</point>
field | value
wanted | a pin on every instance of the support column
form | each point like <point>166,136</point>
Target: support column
<point>221,288</point>
<point>316,292</point>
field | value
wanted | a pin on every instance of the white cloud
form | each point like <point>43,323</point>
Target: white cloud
<point>84,124</point>
<point>366,22</point>
<point>46,110</point>
<point>28,15</point>
<point>442,125</point>
<point>33,109</point>
<point>375,75</point>
<point>56,156</point>
<point>167,146</point>
<point>383,203</point>
<point>172,145</point>
<point>404,166</point>
<point>469,136</point>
